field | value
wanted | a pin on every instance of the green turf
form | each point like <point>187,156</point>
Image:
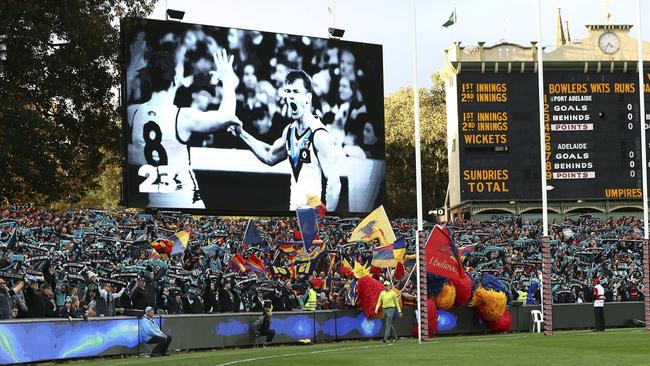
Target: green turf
<point>613,347</point>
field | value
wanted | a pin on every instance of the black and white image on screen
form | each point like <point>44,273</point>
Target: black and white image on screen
<point>208,167</point>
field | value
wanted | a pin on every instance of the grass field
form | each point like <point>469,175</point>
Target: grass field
<point>613,347</point>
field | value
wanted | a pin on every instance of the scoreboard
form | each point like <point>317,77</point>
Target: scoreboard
<point>592,145</point>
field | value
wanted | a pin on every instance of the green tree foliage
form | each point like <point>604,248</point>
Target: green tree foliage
<point>59,111</point>
<point>400,150</point>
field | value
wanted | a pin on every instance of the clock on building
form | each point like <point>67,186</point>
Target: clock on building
<point>609,43</point>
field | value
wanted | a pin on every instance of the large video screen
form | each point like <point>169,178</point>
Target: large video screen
<point>232,120</point>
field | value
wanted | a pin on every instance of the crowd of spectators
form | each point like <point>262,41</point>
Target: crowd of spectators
<point>582,248</point>
<point>81,264</point>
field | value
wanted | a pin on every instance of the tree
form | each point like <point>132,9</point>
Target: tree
<point>59,115</point>
<point>400,146</point>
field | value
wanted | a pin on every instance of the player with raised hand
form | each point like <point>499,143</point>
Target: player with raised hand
<point>160,131</point>
<point>305,142</point>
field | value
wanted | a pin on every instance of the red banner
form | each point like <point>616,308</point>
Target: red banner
<point>442,256</point>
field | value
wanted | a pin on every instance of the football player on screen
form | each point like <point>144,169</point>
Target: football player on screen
<point>160,131</point>
<point>305,142</point>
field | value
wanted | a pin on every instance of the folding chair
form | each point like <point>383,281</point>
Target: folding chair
<point>148,346</point>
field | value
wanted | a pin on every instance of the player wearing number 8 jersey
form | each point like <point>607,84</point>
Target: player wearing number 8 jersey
<point>160,131</point>
<point>307,145</point>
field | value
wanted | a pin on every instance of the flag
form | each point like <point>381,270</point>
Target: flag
<point>308,223</point>
<point>375,226</point>
<point>255,264</point>
<point>303,268</point>
<point>155,255</point>
<point>237,263</point>
<point>399,249</point>
<point>452,19</point>
<point>346,264</point>
<point>180,240</point>
<point>163,247</point>
<point>465,250</point>
<point>383,257</point>
<point>314,253</point>
<point>442,255</point>
<point>280,270</point>
<point>288,247</point>
<point>315,202</point>
<point>251,236</point>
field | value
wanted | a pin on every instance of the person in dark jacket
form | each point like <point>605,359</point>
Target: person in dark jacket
<point>229,300</point>
<point>6,303</point>
<point>175,303</point>
<point>71,309</point>
<point>211,298</point>
<point>192,301</point>
<point>34,301</point>
<point>140,296</point>
<point>49,300</point>
<point>289,298</point>
<point>258,302</point>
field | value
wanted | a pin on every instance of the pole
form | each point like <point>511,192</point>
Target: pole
<point>416,117</point>
<point>644,157</point>
<point>545,278</point>
<point>644,169</point>
<point>418,163</point>
<point>417,283</point>
<point>542,133</point>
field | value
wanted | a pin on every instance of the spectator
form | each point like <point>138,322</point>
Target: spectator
<point>71,310</point>
<point>105,305</point>
<point>151,333</point>
<point>175,303</point>
<point>258,302</point>
<point>38,304</point>
<point>309,300</point>
<point>229,300</point>
<point>140,296</point>
<point>6,301</point>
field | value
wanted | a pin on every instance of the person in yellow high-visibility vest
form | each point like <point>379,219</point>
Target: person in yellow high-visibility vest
<point>308,300</point>
<point>389,303</point>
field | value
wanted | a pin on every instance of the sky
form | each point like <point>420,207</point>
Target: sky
<point>391,22</point>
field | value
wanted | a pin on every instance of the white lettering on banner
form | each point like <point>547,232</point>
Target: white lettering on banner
<point>574,175</point>
<point>572,127</point>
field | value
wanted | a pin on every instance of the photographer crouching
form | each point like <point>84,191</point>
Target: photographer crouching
<point>262,326</point>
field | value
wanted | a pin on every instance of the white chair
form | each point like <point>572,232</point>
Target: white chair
<point>148,348</point>
<point>537,320</point>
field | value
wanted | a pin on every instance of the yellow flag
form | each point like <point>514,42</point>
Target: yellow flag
<point>375,226</point>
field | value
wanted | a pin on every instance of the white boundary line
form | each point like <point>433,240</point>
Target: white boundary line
<point>434,341</point>
<point>300,354</point>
